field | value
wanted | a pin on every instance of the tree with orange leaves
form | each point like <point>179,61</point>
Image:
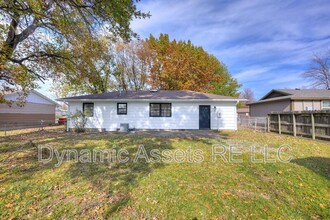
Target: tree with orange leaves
<point>177,65</point>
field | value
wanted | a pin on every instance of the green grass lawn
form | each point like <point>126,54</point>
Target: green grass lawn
<point>205,190</point>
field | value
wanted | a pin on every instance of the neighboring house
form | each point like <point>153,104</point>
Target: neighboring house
<point>285,100</point>
<point>244,111</point>
<point>163,109</point>
<point>36,108</point>
<point>61,111</point>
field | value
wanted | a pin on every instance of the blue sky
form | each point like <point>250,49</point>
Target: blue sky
<point>265,44</point>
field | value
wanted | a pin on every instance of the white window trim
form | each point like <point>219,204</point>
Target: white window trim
<point>325,108</point>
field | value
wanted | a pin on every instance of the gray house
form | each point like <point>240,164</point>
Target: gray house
<point>37,108</point>
<point>285,100</point>
<point>244,111</point>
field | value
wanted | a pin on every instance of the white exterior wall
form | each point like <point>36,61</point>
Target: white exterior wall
<point>185,115</point>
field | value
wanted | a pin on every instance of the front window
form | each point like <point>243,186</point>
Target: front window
<point>121,108</point>
<point>88,109</point>
<point>160,110</point>
<point>326,104</point>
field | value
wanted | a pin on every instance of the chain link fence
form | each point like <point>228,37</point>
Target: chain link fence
<point>255,123</point>
<point>11,126</point>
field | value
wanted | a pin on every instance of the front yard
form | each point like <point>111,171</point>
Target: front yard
<point>203,190</point>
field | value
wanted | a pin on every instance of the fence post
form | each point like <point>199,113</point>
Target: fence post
<point>313,126</point>
<point>268,123</point>
<point>279,124</point>
<point>42,124</point>
<point>255,124</point>
<point>294,126</point>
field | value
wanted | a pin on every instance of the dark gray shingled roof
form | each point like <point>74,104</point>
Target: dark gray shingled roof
<point>160,94</point>
<point>297,94</point>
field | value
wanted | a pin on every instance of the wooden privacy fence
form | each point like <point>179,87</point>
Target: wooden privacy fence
<point>313,124</point>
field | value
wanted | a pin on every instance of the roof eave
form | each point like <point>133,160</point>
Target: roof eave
<point>148,100</point>
<point>267,100</point>
<point>45,97</point>
<point>310,98</point>
<point>274,90</point>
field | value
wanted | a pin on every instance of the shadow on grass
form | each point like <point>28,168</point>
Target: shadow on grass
<point>112,180</point>
<point>116,179</point>
<point>224,135</point>
<point>319,165</point>
<point>22,133</point>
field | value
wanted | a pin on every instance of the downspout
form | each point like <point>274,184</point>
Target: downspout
<point>68,120</point>
<point>237,102</point>
<point>67,117</point>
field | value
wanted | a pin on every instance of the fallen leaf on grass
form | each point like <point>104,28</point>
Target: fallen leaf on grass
<point>154,202</point>
<point>225,193</point>
<point>279,172</point>
<point>323,206</point>
<point>9,205</point>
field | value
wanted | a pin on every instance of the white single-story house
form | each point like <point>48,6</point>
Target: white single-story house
<point>155,109</point>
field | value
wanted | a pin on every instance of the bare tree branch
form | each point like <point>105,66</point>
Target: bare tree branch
<point>26,32</point>
<point>319,72</point>
<point>39,55</point>
<point>247,94</point>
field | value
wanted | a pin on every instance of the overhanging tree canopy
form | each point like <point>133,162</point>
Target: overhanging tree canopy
<point>35,35</point>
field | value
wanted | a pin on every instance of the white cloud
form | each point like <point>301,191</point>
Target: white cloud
<point>251,73</point>
<point>221,21</point>
<point>290,78</point>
